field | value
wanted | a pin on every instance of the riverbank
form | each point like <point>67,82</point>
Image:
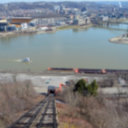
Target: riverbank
<point>16,33</point>
<point>119,21</point>
<point>54,29</point>
<point>119,40</point>
<point>74,27</point>
<point>37,31</point>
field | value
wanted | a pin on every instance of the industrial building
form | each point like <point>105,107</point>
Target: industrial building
<point>14,23</point>
<point>3,25</point>
<point>20,20</point>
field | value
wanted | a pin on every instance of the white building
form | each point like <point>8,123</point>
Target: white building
<point>105,18</point>
<point>24,26</point>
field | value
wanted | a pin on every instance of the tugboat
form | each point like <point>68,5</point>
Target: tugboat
<point>26,60</point>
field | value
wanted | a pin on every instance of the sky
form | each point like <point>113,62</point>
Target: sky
<point>6,1</point>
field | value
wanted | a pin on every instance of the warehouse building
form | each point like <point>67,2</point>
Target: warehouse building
<point>3,25</point>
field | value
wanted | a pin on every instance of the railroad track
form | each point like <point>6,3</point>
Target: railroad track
<point>43,115</point>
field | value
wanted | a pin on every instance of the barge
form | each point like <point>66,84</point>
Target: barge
<point>89,71</point>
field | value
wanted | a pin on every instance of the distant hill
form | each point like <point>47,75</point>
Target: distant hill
<point>48,9</point>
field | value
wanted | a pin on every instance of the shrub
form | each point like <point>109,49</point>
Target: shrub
<point>101,112</point>
<point>80,86</point>
<point>15,98</point>
<point>86,89</point>
<point>92,88</point>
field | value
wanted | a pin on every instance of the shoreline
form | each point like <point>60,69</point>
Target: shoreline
<point>119,40</point>
<point>11,34</point>
<point>74,27</point>
<point>54,30</point>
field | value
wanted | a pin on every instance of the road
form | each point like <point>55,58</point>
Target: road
<point>43,115</point>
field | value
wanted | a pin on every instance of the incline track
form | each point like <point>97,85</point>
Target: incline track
<point>43,115</point>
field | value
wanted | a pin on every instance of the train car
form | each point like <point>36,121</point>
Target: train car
<point>51,90</point>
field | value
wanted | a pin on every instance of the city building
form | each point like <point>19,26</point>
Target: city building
<point>20,20</point>
<point>3,25</point>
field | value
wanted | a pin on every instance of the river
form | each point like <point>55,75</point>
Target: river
<point>87,48</point>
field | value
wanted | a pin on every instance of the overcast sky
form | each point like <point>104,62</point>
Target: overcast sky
<point>6,1</point>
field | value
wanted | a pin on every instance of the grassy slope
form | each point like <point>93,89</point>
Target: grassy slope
<point>16,99</point>
<point>69,117</point>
